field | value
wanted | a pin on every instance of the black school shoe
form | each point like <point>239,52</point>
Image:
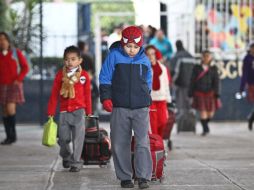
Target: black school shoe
<point>127,184</point>
<point>7,142</point>
<point>74,169</point>
<point>142,183</point>
<point>204,134</point>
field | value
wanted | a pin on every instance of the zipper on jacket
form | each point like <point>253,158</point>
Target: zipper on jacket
<point>130,84</point>
<point>140,70</point>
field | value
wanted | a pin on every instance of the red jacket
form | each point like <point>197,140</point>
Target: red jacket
<point>9,67</point>
<point>82,96</point>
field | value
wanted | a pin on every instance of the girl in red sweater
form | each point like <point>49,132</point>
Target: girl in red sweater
<point>11,86</point>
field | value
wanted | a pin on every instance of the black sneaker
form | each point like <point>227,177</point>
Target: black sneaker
<point>6,142</point>
<point>66,164</point>
<point>127,184</point>
<point>142,183</point>
<point>74,169</point>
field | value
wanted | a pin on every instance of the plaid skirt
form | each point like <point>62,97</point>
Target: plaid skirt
<point>250,94</point>
<point>12,93</point>
<point>205,102</point>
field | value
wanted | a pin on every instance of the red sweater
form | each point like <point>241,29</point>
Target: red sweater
<point>82,96</point>
<point>9,67</point>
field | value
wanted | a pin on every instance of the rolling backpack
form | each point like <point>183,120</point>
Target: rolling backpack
<point>169,126</point>
<point>187,122</point>
<point>97,144</point>
<point>158,156</point>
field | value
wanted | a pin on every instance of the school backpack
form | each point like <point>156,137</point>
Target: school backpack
<point>158,156</point>
<point>97,144</point>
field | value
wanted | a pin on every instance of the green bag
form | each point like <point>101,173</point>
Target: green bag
<point>49,133</point>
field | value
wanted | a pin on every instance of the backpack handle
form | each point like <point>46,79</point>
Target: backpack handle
<point>95,122</point>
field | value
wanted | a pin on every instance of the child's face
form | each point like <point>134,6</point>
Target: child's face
<point>72,60</point>
<point>131,49</point>
<point>4,44</point>
<point>151,54</point>
<point>206,58</point>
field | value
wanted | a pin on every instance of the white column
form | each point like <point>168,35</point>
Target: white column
<point>147,12</point>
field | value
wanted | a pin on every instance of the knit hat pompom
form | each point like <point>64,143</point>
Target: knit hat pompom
<point>132,34</point>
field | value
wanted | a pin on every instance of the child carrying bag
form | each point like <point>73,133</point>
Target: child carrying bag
<point>49,133</point>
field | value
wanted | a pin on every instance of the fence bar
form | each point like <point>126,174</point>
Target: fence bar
<point>41,65</point>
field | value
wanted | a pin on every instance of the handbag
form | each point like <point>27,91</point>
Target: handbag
<point>49,133</point>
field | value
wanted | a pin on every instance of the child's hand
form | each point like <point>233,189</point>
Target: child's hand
<point>107,105</point>
<point>16,82</point>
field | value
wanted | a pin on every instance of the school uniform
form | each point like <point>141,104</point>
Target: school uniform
<point>205,90</point>
<point>10,62</point>
<point>13,67</point>
<point>72,117</point>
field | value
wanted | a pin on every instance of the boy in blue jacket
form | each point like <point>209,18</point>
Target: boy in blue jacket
<point>125,85</point>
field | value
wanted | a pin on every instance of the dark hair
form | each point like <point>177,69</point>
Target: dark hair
<point>205,51</point>
<point>81,45</point>
<point>179,45</point>
<point>153,31</point>
<point>252,45</point>
<point>115,45</point>
<point>7,37</point>
<point>150,47</point>
<point>72,49</point>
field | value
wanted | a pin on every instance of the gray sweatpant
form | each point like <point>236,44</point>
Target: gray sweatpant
<point>122,122</point>
<point>72,129</point>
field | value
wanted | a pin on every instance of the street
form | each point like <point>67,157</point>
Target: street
<point>224,160</point>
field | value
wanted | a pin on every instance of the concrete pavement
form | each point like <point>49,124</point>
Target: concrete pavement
<point>224,160</point>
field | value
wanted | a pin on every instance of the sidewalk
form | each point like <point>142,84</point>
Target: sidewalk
<point>223,160</point>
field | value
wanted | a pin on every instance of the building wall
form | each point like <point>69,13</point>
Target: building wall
<point>60,27</point>
<point>181,22</point>
<point>147,12</point>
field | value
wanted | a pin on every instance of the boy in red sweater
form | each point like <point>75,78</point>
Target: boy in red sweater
<point>73,86</point>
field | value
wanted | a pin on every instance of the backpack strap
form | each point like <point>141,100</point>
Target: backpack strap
<point>202,74</point>
<point>15,57</point>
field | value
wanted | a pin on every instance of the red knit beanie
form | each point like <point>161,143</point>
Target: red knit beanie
<point>132,34</point>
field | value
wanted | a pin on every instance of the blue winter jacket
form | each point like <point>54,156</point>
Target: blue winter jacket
<point>126,80</point>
